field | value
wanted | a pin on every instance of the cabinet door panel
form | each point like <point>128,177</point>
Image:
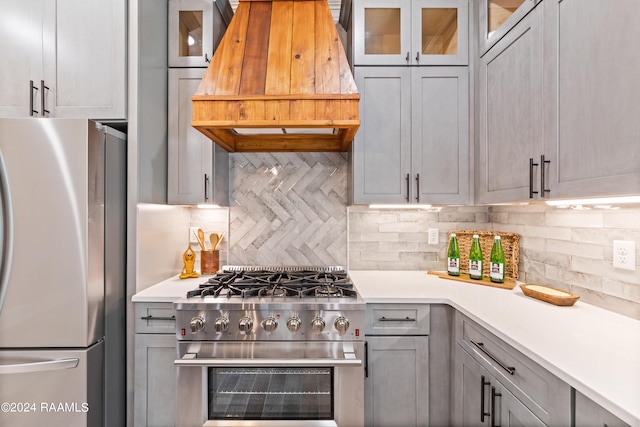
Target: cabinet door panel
<point>190,152</point>
<point>84,50</point>
<point>381,149</point>
<point>21,53</point>
<point>441,134</point>
<point>382,32</point>
<point>155,380</point>
<point>470,406</point>
<point>597,97</point>
<point>511,113</point>
<point>396,389</point>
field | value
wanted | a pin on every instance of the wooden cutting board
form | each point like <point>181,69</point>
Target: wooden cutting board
<point>508,283</point>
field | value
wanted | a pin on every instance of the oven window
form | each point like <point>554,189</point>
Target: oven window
<point>271,393</point>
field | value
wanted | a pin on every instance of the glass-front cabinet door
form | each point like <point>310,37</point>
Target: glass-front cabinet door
<point>190,33</point>
<point>497,17</point>
<point>411,32</point>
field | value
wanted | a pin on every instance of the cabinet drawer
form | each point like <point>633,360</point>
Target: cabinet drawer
<point>155,318</point>
<point>542,392</point>
<point>397,319</point>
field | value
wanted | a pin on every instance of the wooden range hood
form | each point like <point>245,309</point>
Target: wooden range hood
<point>279,81</point>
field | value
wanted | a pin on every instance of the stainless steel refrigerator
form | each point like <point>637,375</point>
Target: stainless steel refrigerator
<point>62,273</point>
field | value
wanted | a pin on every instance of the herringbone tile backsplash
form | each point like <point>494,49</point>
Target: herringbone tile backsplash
<point>288,209</point>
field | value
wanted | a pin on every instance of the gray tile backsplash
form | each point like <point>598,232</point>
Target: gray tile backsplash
<point>291,209</point>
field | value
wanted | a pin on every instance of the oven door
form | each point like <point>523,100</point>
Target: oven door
<point>270,384</point>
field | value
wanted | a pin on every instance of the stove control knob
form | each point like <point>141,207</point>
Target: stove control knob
<point>222,324</point>
<point>270,324</point>
<point>317,325</point>
<point>341,324</point>
<point>293,324</point>
<point>245,325</point>
<point>197,324</point>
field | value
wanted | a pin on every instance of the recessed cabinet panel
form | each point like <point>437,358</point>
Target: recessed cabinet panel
<point>511,116</point>
<point>598,131</point>
<point>406,32</point>
<point>440,133</point>
<point>382,147</point>
<point>198,168</point>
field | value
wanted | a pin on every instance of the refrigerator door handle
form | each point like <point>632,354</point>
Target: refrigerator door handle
<point>7,231</point>
<point>47,365</point>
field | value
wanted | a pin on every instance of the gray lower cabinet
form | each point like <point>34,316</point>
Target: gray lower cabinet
<point>413,141</point>
<point>198,169</point>
<point>481,400</point>
<point>510,112</point>
<point>590,414</point>
<point>397,365</point>
<point>494,384</point>
<point>154,373</point>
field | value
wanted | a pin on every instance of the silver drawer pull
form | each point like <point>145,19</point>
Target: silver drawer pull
<point>150,317</point>
<point>396,319</point>
<point>510,369</point>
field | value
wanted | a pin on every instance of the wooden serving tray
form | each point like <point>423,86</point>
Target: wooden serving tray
<point>463,277</point>
<point>550,295</point>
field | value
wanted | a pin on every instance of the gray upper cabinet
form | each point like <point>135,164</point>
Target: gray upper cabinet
<point>410,32</point>
<point>497,17</point>
<point>73,52</point>
<point>510,141</point>
<point>195,30</point>
<point>198,169</point>
<point>412,146</point>
<point>593,92</point>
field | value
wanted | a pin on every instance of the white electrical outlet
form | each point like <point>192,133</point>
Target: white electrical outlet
<point>433,236</point>
<point>624,254</point>
<point>193,232</point>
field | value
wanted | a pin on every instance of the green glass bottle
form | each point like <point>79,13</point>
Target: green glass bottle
<point>496,270</point>
<point>453,256</point>
<point>475,259</point>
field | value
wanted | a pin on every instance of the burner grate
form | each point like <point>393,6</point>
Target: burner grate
<point>301,282</point>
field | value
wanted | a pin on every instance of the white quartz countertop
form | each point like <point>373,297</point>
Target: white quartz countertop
<point>169,290</point>
<point>594,350</point>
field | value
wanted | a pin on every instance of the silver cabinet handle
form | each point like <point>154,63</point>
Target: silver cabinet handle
<point>42,99</point>
<point>188,360</point>
<point>510,369</point>
<point>48,365</point>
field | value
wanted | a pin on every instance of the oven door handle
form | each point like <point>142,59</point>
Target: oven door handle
<point>188,360</point>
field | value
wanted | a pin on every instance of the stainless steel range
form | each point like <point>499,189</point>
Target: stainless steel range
<point>271,346</point>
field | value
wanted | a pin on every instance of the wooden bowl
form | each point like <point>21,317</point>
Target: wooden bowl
<point>550,295</point>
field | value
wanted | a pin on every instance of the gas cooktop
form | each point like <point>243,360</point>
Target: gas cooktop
<point>277,282</point>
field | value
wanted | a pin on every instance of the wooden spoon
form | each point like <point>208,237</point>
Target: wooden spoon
<point>215,239</point>
<point>220,237</point>
<point>201,239</point>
